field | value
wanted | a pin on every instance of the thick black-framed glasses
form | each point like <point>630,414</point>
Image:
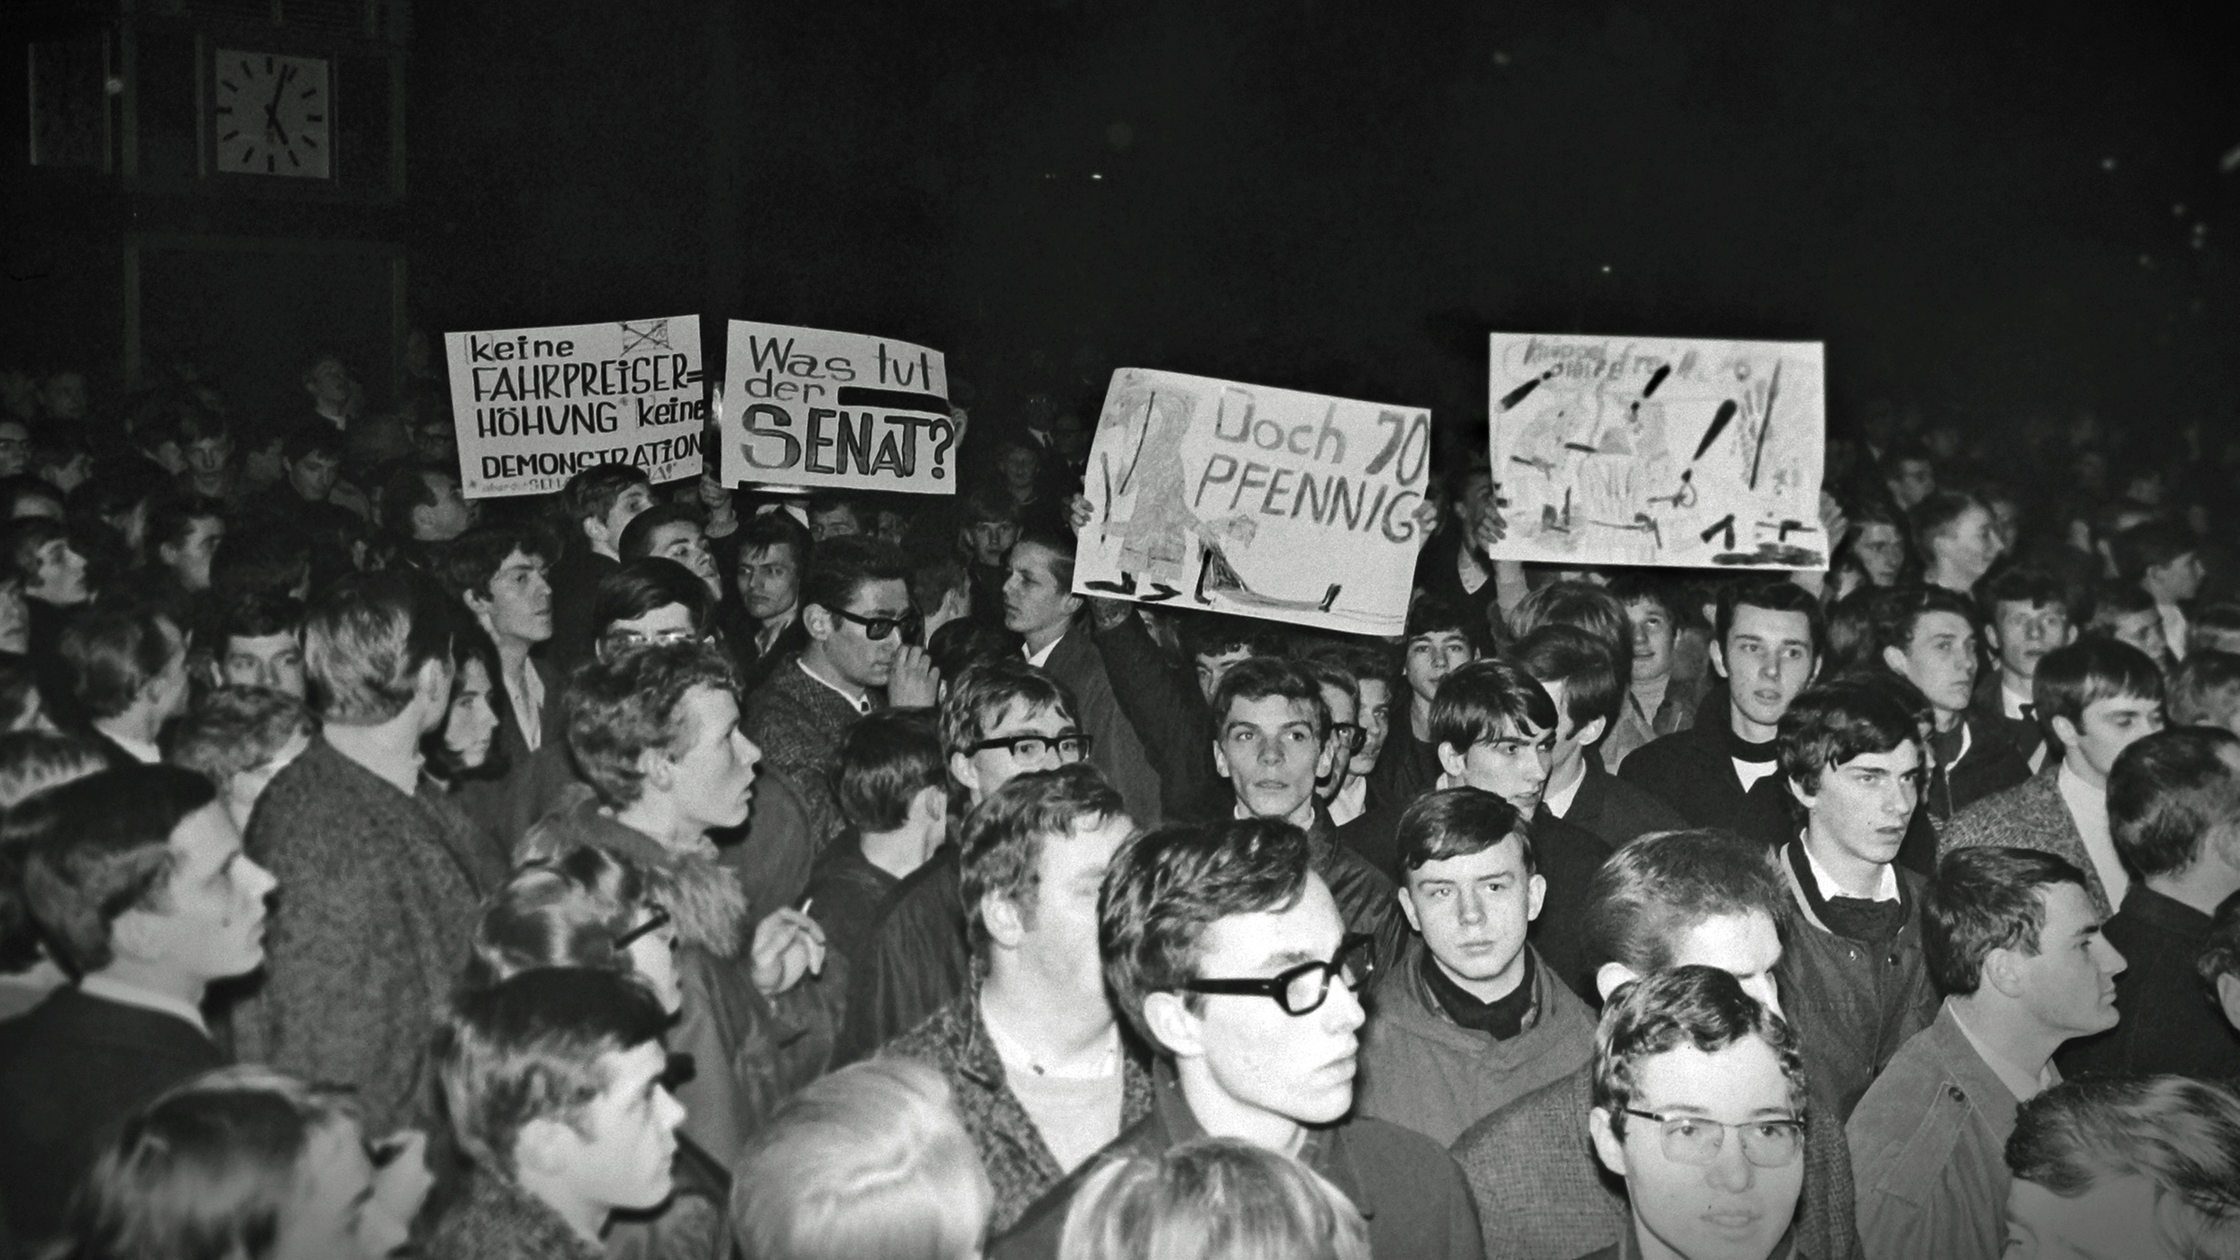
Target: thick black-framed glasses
<point>1696,1140</point>
<point>1071,745</point>
<point>1349,735</point>
<point>656,921</point>
<point>878,628</point>
<point>1302,990</point>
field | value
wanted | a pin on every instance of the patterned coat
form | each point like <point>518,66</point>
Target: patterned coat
<point>798,724</point>
<point>2032,816</point>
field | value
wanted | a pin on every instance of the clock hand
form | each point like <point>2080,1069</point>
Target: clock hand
<point>272,107</point>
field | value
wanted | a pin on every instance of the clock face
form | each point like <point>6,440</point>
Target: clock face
<point>273,115</point>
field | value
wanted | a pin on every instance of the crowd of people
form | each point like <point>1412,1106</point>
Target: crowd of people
<point>681,871</point>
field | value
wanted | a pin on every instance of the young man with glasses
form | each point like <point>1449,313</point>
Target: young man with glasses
<point>1340,692</point>
<point>1000,719</point>
<point>862,654</point>
<point>1700,1105</point>
<point>1226,954</point>
<point>1036,1065</point>
<point>2015,944</point>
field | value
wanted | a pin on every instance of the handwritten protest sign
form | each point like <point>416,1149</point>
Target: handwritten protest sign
<point>806,407</point>
<point>1656,451</point>
<point>1245,499</point>
<point>536,405</point>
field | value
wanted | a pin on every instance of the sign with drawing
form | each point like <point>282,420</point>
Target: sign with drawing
<point>1263,502</point>
<point>1658,451</point>
<point>535,406</point>
<point>807,407</point>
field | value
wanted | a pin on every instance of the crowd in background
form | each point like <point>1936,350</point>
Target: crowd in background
<point>685,871</point>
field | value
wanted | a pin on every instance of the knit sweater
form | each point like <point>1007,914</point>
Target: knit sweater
<point>798,723</point>
<point>501,1221</point>
<point>368,934</point>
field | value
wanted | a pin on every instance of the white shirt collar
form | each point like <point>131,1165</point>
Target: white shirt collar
<point>2088,809</point>
<point>144,753</point>
<point>1886,890</point>
<point>111,989</point>
<point>2017,1081</point>
<point>1351,802</point>
<point>1302,817</point>
<point>528,704</point>
<point>1559,803</point>
<point>2011,701</point>
<point>1041,659</point>
<point>861,704</point>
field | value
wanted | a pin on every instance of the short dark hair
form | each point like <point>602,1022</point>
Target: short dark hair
<point>1456,822</point>
<point>1898,618</point>
<point>95,847</point>
<point>637,587</point>
<point>528,1048</point>
<point>1700,1007</point>
<point>411,486</point>
<point>1058,544</point>
<point>2150,545</point>
<point>1004,835</point>
<point>260,560</point>
<point>1832,723</point>
<point>886,759</point>
<point>1432,614</point>
<point>765,530</point>
<point>592,492</point>
<point>2031,587</point>
<point>839,569</point>
<point>1645,586</point>
<point>979,695</point>
<point>1935,516</point>
<point>1218,634</point>
<point>365,641</point>
<point>637,536</point>
<point>311,437</point>
<point>175,515</point>
<point>2171,793</point>
<point>1983,899</point>
<point>1166,888</point>
<point>1583,605</point>
<point>1484,698</point>
<point>110,653</point>
<point>2105,601</point>
<point>619,708</point>
<point>1771,595</point>
<point>1654,891</point>
<point>469,563</point>
<point>2205,688</point>
<point>1593,684</point>
<point>2072,679</point>
<point>1264,677</point>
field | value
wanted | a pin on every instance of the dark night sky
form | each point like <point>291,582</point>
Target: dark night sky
<point>1988,207</point>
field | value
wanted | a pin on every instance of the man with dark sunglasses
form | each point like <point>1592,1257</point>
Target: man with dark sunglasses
<point>862,655</point>
<point>1226,954</point>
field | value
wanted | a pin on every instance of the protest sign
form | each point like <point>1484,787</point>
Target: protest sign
<point>535,406</point>
<point>806,407</point>
<point>1258,501</point>
<point>1657,451</point>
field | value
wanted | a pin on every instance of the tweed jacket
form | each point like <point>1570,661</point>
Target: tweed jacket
<point>366,939</point>
<point>1406,1188</point>
<point>2032,816</point>
<point>71,1069</point>
<point>1543,1195</point>
<point>798,724</point>
<point>1928,1147</point>
<point>1853,1007</point>
<point>501,1221</point>
<point>749,1052</point>
<point>1019,1163</point>
<point>1422,1070</point>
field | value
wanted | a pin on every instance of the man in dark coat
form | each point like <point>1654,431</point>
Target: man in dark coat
<point>137,881</point>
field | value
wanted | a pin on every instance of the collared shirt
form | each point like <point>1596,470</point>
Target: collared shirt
<point>1041,659</point>
<point>2012,703</point>
<point>2088,809</point>
<point>144,753</point>
<point>2173,628</point>
<point>1749,772</point>
<point>2014,1076</point>
<point>108,988</point>
<point>1302,817</point>
<point>862,703</point>
<point>767,636</point>
<point>526,690</point>
<point>1886,890</point>
<point>1351,801</point>
<point>1558,800</point>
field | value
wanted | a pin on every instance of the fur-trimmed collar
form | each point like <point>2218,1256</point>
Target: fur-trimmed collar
<point>703,897</point>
